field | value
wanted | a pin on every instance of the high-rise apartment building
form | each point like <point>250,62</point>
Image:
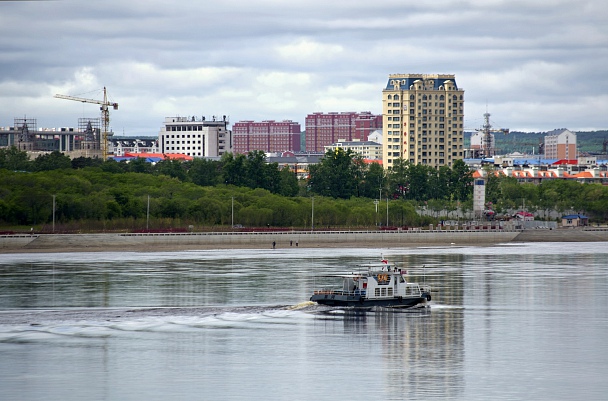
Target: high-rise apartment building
<point>323,129</point>
<point>560,144</point>
<point>423,119</point>
<point>195,137</point>
<point>268,136</point>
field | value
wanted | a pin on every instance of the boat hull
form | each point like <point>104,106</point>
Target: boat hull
<point>356,301</point>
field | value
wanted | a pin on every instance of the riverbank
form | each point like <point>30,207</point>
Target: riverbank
<point>155,242</point>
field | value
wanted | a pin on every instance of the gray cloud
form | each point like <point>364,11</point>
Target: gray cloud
<point>534,66</point>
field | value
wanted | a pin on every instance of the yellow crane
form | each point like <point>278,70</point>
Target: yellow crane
<point>105,116</point>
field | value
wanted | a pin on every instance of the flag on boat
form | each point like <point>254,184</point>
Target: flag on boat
<point>385,261</point>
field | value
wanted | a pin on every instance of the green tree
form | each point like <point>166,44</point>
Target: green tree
<point>139,165</point>
<point>373,181</point>
<point>114,167</point>
<point>204,172</point>
<point>233,169</point>
<point>172,168</point>
<point>335,175</point>
<point>288,185</point>
<point>82,162</point>
<point>14,159</point>
<point>461,181</point>
<point>52,161</point>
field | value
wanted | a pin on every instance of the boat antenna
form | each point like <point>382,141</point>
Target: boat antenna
<point>424,274</point>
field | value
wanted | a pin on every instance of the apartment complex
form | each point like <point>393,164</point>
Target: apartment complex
<point>323,129</point>
<point>367,149</point>
<point>195,137</point>
<point>268,136</point>
<point>560,144</point>
<point>423,119</point>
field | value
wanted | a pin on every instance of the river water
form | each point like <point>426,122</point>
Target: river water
<point>507,322</point>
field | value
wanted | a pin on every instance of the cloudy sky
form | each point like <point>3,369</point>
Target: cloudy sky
<point>535,65</point>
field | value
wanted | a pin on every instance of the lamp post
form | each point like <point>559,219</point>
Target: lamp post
<point>387,211</point>
<point>232,212</point>
<point>312,215</point>
<point>54,213</point>
<point>148,214</point>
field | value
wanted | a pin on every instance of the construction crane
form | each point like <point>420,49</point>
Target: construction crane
<point>105,116</point>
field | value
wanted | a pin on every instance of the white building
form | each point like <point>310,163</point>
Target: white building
<point>195,137</point>
<point>375,136</point>
<point>122,145</point>
<point>367,149</point>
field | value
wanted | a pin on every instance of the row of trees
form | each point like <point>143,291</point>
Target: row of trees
<point>342,174</point>
<point>563,196</point>
<point>93,199</point>
<point>241,170</point>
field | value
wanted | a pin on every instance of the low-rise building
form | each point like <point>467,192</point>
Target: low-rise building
<point>122,145</point>
<point>575,220</point>
<point>366,149</point>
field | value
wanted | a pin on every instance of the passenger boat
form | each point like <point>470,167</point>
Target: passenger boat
<point>379,285</point>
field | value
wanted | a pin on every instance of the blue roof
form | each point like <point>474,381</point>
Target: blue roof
<point>575,216</point>
<point>533,162</point>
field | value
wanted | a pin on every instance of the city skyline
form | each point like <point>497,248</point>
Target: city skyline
<point>536,67</point>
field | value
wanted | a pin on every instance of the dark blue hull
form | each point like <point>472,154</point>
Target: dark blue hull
<point>357,301</point>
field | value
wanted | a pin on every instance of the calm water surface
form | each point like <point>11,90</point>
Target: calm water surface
<point>507,322</point>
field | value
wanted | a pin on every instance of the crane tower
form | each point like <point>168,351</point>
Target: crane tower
<point>105,116</point>
<point>488,147</point>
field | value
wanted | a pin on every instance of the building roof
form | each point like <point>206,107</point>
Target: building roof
<point>160,156</point>
<point>153,157</point>
<point>575,216</point>
<point>355,143</point>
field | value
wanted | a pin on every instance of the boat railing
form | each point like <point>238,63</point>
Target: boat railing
<point>412,289</point>
<point>339,292</point>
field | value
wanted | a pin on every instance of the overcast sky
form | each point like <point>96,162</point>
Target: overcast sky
<point>536,65</point>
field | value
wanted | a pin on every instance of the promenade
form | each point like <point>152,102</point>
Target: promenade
<point>150,242</point>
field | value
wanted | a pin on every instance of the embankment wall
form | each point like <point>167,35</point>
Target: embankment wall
<point>304,239</point>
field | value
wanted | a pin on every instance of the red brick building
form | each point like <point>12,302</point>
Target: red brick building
<point>268,136</point>
<point>323,129</point>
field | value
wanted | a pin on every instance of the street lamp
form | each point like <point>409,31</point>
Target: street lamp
<point>54,213</point>
<point>387,211</point>
<point>312,216</point>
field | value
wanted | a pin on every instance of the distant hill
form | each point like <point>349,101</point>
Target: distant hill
<point>590,142</point>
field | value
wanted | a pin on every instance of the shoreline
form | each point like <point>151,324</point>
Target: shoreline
<point>113,242</point>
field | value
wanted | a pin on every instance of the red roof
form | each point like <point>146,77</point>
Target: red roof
<point>565,161</point>
<point>163,156</point>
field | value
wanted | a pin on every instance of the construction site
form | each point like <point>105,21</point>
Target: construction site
<point>91,137</point>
